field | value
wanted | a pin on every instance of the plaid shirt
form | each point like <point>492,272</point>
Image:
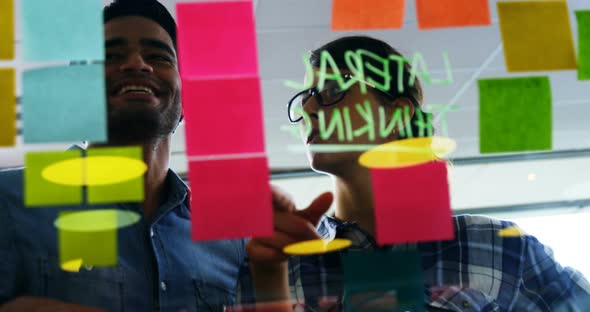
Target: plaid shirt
<point>477,271</point>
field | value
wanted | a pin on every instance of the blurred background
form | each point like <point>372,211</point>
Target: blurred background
<point>546,193</point>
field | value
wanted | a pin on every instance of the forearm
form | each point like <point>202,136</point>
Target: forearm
<point>272,283</point>
<point>38,304</point>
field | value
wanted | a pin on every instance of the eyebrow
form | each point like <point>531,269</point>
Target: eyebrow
<point>154,43</point>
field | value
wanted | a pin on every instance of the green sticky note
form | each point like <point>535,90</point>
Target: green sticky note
<point>583,44</point>
<point>64,104</point>
<point>122,180</point>
<point>88,247</point>
<point>515,115</point>
<point>392,282</point>
<point>41,192</point>
<point>62,30</point>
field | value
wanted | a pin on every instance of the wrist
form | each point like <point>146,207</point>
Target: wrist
<point>271,281</point>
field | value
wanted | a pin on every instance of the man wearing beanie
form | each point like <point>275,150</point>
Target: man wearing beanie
<point>159,267</point>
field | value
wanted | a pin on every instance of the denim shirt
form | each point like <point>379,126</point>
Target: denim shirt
<point>159,267</point>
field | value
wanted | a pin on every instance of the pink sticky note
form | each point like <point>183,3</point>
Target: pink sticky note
<point>223,116</point>
<point>412,204</point>
<point>230,199</point>
<point>217,39</point>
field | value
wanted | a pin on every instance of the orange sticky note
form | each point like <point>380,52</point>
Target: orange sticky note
<point>537,35</point>
<point>6,29</point>
<point>7,108</point>
<point>452,13</point>
<point>367,14</point>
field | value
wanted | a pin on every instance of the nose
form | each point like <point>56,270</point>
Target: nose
<point>310,116</point>
<point>135,62</point>
<point>312,106</point>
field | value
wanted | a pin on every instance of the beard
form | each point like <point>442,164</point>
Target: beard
<point>143,125</point>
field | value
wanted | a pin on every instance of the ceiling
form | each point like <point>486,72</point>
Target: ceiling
<point>288,28</point>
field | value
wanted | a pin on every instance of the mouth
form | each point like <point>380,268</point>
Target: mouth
<point>136,88</point>
<point>313,137</point>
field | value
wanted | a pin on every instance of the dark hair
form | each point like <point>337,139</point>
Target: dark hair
<point>150,9</point>
<point>338,48</point>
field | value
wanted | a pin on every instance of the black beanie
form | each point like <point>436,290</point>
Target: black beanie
<point>150,9</point>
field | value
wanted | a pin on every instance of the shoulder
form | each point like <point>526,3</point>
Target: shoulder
<point>11,189</point>
<point>479,222</point>
<point>11,198</point>
<point>11,182</point>
<point>493,235</point>
<point>480,247</point>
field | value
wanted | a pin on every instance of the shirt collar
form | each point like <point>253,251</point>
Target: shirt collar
<point>328,227</point>
<point>178,194</point>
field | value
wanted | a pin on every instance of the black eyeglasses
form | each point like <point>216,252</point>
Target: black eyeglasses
<point>331,94</point>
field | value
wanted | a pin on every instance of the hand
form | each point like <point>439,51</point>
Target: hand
<point>291,226</point>
<point>38,304</point>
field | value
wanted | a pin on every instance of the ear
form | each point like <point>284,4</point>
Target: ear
<point>400,104</point>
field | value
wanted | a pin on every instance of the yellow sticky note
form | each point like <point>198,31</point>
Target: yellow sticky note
<point>72,265</point>
<point>89,237</point>
<point>96,248</point>
<point>537,35</point>
<point>39,191</point>
<point>7,105</point>
<point>6,29</point>
<point>408,152</point>
<point>115,174</point>
<point>316,246</point>
<point>512,231</point>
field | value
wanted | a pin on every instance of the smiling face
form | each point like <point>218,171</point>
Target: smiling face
<point>142,80</point>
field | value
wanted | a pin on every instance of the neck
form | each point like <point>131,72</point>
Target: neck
<point>353,197</point>
<point>156,155</point>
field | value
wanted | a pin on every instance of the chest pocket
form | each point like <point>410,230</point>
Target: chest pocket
<point>453,298</point>
<point>91,286</point>
<point>212,298</point>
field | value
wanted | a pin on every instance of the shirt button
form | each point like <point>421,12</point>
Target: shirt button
<point>152,233</point>
<point>163,286</point>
